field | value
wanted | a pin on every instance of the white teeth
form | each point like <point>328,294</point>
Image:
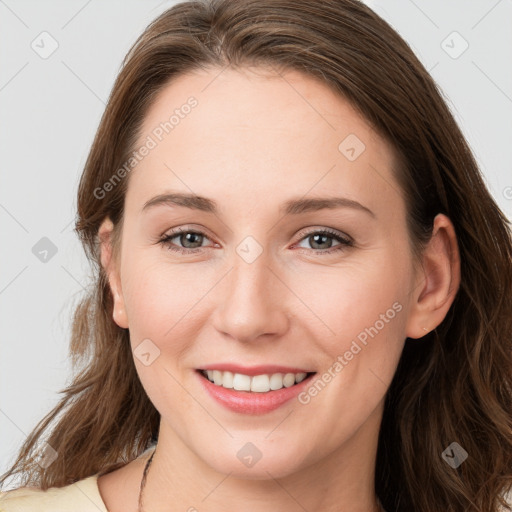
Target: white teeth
<point>299,377</point>
<point>288,380</point>
<point>276,381</point>
<point>217,377</point>
<point>257,384</point>
<point>241,382</point>
<point>260,383</point>
<point>227,380</point>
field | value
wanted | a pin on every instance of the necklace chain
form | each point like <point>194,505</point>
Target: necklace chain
<point>143,481</point>
<point>145,474</point>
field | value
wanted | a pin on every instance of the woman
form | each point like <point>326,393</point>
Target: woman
<point>337,335</point>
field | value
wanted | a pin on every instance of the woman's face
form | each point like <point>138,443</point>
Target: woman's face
<point>262,284</point>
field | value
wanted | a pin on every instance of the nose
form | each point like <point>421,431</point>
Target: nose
<point>252,301</point>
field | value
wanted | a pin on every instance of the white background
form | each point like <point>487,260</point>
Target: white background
<point>50,109</point>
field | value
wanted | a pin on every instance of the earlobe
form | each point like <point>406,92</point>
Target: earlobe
<point>439,280</point>
<point>109,265</point>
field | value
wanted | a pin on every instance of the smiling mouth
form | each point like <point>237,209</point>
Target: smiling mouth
<point>263,383</point>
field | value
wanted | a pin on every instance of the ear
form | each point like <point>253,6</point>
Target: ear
<point>110,266</point>
<point>438,280</point>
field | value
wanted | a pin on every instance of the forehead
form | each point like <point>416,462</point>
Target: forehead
<point>247,130</point>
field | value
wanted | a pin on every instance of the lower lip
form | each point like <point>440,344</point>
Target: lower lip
<point>249,402</point>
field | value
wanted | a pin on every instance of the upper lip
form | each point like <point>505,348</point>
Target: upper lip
<point>254,370</point>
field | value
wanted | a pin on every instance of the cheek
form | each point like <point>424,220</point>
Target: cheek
<point>162,302</point>
<point>162,298</point>
<point>365,308</point>
<point>348,301</point>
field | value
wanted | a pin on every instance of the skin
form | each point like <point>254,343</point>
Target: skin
<point>254,141</point>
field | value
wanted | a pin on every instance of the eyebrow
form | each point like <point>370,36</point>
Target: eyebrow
<point>290,207</point>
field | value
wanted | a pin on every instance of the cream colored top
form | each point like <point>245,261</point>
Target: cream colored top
<point>81,496</point>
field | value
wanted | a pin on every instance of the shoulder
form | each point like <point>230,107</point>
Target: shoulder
<point>81,496</point>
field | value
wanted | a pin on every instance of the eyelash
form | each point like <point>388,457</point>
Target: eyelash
<point>344,242</point>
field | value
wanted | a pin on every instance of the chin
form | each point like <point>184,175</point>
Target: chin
<point>250,463</point>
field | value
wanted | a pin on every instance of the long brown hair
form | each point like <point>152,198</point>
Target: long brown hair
<point>453,385</point>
